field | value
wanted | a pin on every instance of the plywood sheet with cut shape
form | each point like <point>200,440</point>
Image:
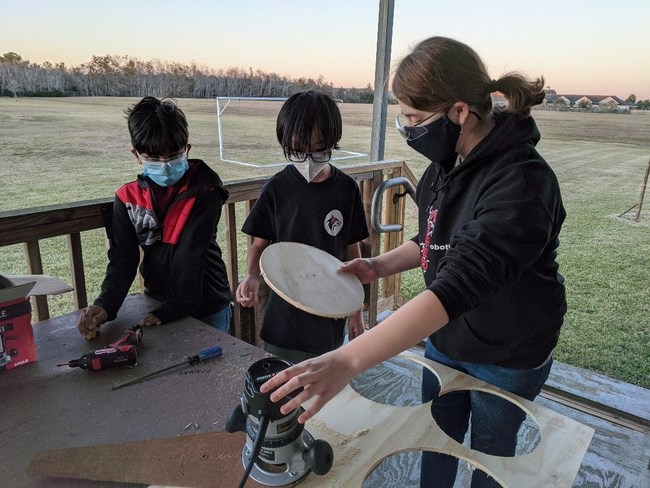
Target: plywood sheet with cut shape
<point>361,433</point>
<point>309,279</point>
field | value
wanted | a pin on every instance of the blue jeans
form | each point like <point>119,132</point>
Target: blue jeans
<point>221,319</point>
<point>495,420</point>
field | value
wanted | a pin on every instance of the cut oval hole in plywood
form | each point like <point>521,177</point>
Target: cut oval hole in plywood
<point>309,279</point>
<point>528,435</point>
<point>395,382</point>
<point>403,469</point>
<point>398,382</point>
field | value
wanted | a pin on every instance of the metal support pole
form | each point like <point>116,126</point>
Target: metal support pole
<point>382,74</point>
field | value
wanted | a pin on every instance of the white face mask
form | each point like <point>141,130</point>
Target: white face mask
<point>308,169</point>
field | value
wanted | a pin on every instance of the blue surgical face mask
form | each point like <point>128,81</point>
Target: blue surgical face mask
<point>168,173</point>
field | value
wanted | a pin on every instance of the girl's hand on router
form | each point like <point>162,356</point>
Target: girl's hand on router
<point>321,379</point>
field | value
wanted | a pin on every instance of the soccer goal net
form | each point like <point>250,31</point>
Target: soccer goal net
<point>246,129</point>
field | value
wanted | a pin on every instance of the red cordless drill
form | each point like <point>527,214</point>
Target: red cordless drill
<point>119,353</point>
<point>109,357</point>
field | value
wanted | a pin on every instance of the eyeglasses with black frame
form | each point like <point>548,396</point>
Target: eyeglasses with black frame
<point>317,156</point>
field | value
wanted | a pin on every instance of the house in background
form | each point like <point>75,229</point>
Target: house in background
<point>593,103</point>
<point>600,103</point>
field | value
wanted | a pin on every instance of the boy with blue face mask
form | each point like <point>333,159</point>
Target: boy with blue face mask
<point>171,212</point>
<point>311,202</point>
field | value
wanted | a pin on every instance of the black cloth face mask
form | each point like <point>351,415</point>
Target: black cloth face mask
<point>439,142</point>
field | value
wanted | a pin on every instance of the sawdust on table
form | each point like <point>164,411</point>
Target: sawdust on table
<point>341,446</point>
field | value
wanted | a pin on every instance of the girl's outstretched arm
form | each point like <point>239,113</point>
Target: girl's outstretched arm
<point>323,377</point>
<point>406,256</point>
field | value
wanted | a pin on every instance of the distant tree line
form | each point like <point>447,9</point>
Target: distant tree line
<point>640,104</point>
<point>125,76</point>
<point>643,104</point>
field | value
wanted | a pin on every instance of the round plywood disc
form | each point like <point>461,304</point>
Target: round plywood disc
<point>308,279</point>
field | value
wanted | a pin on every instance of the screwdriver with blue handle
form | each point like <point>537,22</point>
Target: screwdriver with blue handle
<point>208,353</point>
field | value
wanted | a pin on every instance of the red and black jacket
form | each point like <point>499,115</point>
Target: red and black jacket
<point>182,265</point>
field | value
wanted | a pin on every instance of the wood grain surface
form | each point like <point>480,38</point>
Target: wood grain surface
<point>308,279</point>
<point>46,407</point>
<point>362,434</point>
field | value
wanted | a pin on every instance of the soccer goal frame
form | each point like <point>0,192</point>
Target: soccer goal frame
<point>222,104</point>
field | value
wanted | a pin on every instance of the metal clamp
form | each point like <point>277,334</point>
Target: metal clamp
<point>375,210</point>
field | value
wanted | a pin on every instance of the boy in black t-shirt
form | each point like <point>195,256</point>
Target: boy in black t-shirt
<point>311,202</point>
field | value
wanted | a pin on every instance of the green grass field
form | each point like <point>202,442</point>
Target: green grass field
<point>60,150</point>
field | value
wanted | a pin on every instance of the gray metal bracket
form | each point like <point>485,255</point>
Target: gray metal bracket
<point>375,210</point>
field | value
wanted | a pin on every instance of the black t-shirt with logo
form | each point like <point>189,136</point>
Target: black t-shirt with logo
<point>328,215</point>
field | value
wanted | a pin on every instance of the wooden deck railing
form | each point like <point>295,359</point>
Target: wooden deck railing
<point>29,226</point>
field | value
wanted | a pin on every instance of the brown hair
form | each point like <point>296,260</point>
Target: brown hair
<point>441,71</point>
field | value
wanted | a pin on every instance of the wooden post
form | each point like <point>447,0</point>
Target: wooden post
<point>394,209</point>
<point>35,266</point>
<point>257,315</point>
<point>232,265</point>
<point>373,241</point>
<point>77,270</point>
<point>248,205</point>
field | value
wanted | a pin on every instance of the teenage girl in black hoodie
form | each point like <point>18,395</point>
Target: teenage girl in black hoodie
<point>490,213</point>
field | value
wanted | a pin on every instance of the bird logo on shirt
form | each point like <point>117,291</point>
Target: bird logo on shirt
<point>333,222</point>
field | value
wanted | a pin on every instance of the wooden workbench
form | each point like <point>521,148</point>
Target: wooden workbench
<point>48,407</point>
<point>45,407</point>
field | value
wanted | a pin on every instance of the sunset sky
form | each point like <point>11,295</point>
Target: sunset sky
<point>592,47</point>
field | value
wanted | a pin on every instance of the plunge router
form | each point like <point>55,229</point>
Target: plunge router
<point>278,450</point>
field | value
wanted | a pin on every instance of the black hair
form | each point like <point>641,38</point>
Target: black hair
<point>157,127</point>
<point>301,115</point>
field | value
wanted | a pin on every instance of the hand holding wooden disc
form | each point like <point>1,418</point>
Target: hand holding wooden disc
<point>308,279</point>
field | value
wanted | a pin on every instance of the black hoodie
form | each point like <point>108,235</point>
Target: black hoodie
<point>488,237</point>
<point>181,264</point>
